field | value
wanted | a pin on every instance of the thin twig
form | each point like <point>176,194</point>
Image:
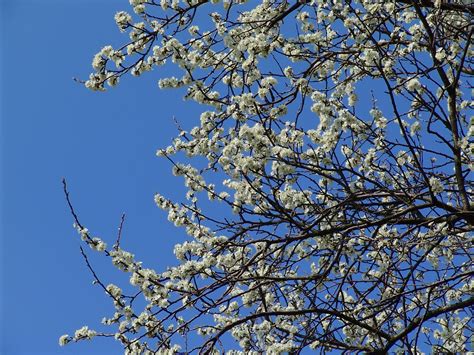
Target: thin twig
<point>71,208</point>
<point>119,235</point>
<point>96,278</point>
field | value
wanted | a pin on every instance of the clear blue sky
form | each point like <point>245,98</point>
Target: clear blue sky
<point>103,143</point>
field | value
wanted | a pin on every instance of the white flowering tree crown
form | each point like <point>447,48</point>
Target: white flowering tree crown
<point>341,136</point>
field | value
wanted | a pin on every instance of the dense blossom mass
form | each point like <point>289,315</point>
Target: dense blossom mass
<point>338,136</point>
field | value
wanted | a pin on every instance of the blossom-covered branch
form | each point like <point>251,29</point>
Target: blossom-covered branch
<point>341,134</point>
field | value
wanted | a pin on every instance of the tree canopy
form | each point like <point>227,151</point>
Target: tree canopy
<point>329,177</point>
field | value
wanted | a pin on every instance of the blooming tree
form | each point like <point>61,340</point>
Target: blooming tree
<point>339,136</point>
